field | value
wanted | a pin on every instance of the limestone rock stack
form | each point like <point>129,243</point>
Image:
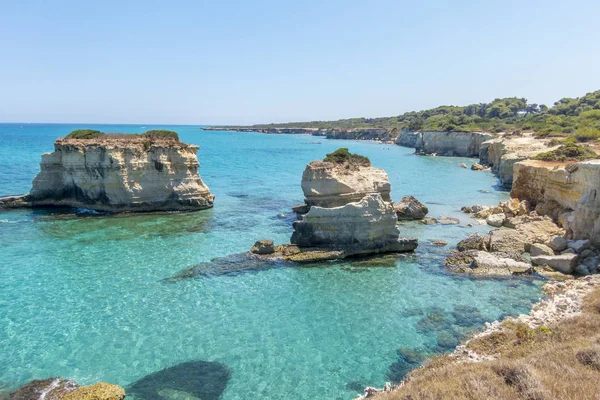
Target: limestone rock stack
<point>118,173</point>
<point>350,207</point>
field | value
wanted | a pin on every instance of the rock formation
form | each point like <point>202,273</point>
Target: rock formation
<point>326,185</point>
<point>349,212</point>
<point>119,173</point>
<point>410,208</point>
<point>461,144</point>
<point>570,194</point>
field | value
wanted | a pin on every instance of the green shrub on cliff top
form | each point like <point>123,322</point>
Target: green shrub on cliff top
<point>343,156</point>
<point>84,134</point>
<point>161,134</point>
<point>568,152</point>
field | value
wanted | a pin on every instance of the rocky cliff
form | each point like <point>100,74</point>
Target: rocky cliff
<point>568,193</point>
<point>121,173</point>
<point>326,185</point>
<point>460,144</point>
<point>503,152</point>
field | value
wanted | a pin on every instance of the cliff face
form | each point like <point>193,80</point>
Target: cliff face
<point>502,153</point>
<point>369,222</point>
<point>116,174</point>
<point>459,144</point>
<point>327,185</point>
<point>570,194</point>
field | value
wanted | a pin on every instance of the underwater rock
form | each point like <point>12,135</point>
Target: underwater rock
<point>64,389</point>
<point>448,220</point>
<point>447,339</point>
<point>467,316</point>
<point>229,265</point>
<point>408,359</point>
<point>203,380</point>
<point>436,320</point>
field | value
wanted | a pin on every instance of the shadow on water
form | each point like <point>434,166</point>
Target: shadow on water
<point>84,226</point>
<point>193,380</point>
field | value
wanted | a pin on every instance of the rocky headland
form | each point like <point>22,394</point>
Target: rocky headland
<point>454,143</point>
<point>118,173</point>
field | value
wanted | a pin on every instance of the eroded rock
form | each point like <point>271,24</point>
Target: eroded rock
<point>410,208</point>
<point>564,263</point>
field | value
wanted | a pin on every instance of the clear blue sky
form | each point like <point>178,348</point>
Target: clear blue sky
<point>230,62</point>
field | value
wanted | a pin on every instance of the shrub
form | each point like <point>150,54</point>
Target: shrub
<point>161,134</point>
<point>570,151</point>
<point>84,134</point>
<point>343,156</point>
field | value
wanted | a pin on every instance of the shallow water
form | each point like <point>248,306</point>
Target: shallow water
<point>85,296</point>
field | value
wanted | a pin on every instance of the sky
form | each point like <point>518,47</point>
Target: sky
<point>261,61</point>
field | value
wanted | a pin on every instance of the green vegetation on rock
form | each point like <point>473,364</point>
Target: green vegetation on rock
<point>84,134</point>
<point>343,156</point>
<point>161,134</point>
<point>576,117</point>
<point>568,152</point>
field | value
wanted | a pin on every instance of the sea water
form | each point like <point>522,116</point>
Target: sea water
<point>84,296</point>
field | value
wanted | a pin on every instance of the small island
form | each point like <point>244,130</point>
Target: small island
<point>152,171</point>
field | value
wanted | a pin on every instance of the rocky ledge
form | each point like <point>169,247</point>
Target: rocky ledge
<point>118,173</point>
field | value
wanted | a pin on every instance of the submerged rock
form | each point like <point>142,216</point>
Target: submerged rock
<point>205,380</point>
<point>63,389</point>
<point>448,220</point>
<point>410,208</point>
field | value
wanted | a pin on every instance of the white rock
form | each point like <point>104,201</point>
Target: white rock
<point>564,263</point>
<point>538,249</point>
<point>496,220</point>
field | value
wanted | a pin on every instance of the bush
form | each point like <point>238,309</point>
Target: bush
<point>343,156</point>
<point>84,134</point>
<point>568,152</point>
<point>161,134</point>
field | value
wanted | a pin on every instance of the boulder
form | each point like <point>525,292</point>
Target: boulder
<point>482,263</point>
<point>463,165</point>
<point>564,263</point>
<point>410,208</point>
<point>474,242</point>
<point>429,221</point>
<point>64,389</point>
<point>496,220</point>
<point>477,167</point>
<point>439,243</point>
<point>538,249</point>
<point>579,245</point>
<point>519,239</point>
<point>264,246</point>
<point>568,251</point>
<point>557,243</point>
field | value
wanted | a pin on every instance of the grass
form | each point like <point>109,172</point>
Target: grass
<point>84,134</point>
<point>568,152</point>
<point>343,157</point>
<point>561,361</point>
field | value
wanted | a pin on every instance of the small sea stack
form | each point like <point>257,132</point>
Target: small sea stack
<point>348,212</point>
<point>153,171</point>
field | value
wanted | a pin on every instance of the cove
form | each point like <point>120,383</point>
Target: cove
<point>84,296</point>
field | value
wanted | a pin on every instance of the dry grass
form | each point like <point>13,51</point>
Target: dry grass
<point>561,361</point>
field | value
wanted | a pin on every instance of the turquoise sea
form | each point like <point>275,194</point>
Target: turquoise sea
<point>84,296</point>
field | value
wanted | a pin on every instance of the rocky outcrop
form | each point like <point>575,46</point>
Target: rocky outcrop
<point>329,185</point>
<point>369,223</point>
<point>503,152</point>
<point>458,143</point>
<point>410,208</point>
<point>120,173</point>
<point>63,389</point>
<point>570,194</point>
<point>380,134</point>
